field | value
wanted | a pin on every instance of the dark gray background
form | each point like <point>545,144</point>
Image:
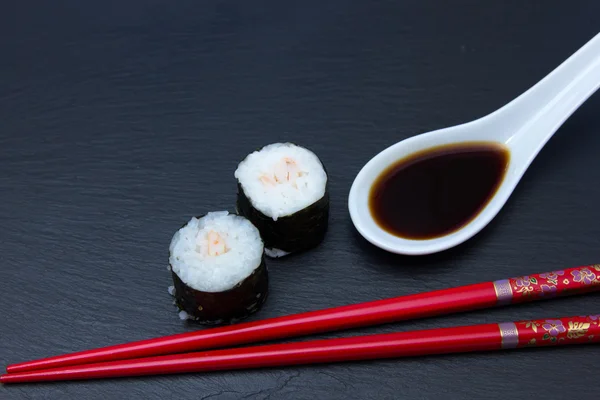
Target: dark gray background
<point>120,120</point>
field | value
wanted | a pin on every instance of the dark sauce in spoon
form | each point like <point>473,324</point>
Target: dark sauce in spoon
<point>439,190</point>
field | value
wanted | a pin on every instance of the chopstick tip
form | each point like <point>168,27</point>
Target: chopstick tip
<point>10,378</point>
<point>25,367</point>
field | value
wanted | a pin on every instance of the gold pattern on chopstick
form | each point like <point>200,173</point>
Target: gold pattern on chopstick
<point>577,329</point>
<point>531,324</point>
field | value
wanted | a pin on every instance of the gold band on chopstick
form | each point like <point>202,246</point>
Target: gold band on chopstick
<point>509,335</point>
<point>504,292</point>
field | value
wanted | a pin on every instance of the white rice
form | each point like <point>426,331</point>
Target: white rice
<point>275,253</point>
<point>183,315</point>
<point>283,198</point>
<point>196,268</point>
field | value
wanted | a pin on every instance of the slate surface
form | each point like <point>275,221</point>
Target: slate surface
<point>121,119</point>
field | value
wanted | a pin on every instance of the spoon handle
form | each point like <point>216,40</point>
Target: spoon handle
<point>536,115</point>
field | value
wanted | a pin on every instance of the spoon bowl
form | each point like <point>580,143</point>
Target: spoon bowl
<point>523,126</point>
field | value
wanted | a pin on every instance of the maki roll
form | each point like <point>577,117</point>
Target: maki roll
<point>282,190</point>
<point>218,269</point>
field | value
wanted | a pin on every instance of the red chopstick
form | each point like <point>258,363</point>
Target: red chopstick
<point>487,337</point>
<point>464,298</point>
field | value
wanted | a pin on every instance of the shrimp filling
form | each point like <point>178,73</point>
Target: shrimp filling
<point>285,171</point>
<point>213,244</point>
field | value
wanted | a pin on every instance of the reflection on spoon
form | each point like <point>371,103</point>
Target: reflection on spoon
<point>522,127</point>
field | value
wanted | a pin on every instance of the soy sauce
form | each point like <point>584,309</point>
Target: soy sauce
<point>437,191</point>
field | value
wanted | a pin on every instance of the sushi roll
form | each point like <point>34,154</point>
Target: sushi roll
<point>218,269</point>
<point>283,191</point>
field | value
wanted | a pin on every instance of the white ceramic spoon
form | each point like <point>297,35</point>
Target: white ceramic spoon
<point>524,125</point>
